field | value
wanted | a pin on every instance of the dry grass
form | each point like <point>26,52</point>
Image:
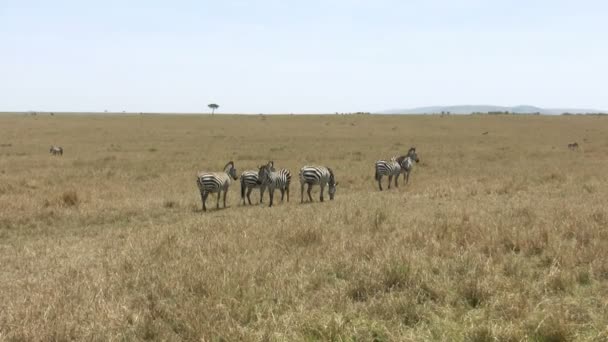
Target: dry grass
<point>498,237</point>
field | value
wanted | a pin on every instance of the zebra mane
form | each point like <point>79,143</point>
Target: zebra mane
<point>332,178</point>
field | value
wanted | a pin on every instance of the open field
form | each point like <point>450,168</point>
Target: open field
<point>498,237</point>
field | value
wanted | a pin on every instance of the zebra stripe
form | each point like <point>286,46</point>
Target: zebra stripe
<point>275,180</point>
<point>407,163</point>
<point>215,182</point>
<point>387,168</point>
<point>317,175</point>
<point>250,181</point>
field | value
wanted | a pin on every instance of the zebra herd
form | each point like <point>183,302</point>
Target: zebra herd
<point>267,177</point>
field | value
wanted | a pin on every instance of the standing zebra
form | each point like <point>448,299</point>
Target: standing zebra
<point>407,163</point>
<point>389,168</point>
<point>56,150</point>
<point>212,182</point>
<point>321,175</point>
<point>275,180</point>
<point>250,180</point>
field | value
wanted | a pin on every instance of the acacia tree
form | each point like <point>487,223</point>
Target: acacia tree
<point>213,107</point>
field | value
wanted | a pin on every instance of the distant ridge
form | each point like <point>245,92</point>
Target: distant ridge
<point>470,109</point>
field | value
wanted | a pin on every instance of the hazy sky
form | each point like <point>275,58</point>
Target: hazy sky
<point>276,56</point>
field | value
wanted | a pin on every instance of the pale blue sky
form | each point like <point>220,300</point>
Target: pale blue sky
<point>317,56</point>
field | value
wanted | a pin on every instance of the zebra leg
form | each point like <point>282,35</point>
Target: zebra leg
<point>396,179</point>
<point>390,180</point>
<point>271,194</point>
<point>308,191</point>
<point>249,193</point>
<point>218,199</point>
<point>407,179</point>
<point>287,193</point>
<point>243,187</point>
<point>282,194</point>
<point>225,193</point>
<point>262,189</point>
<point>321,197</point>
<point>204,199</point>
<point>380,182</point>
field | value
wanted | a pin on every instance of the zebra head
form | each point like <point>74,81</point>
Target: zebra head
<point>412,154</point>
<point>271,165</point>
<point>332,184</point>
<point>230,170</point>
<point>264,173</point>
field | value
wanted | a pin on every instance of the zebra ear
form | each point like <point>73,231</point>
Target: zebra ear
<point>336,184</point>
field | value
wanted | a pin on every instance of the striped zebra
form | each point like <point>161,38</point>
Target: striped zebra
<point>389,168</point>
<point>407,163</point>
<point>215,182</point>
<point>250,181</point>
<point>56,150</point>
<point>275,180</point>
<point>321,175</point>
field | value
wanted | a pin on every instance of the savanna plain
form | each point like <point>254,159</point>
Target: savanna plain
<point>497,237</point>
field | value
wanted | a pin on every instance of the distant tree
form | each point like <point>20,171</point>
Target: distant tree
<point>213,107</point>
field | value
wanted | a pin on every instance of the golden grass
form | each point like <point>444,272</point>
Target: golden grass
<point>498,237</point>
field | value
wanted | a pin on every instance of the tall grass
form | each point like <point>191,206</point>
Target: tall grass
<point>498,237</point>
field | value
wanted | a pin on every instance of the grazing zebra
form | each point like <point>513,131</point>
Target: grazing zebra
<point>321,175</point>
<point>275,180</point>
<point>250,181</point>
<point>573,146</point>
<point>390,168</point>
<point>56,150</point>
<point>212,182</point>
<point>407,163</point>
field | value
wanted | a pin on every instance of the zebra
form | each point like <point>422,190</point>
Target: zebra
<point>321,175</point>
<point>390,168</point>
<point>407,163</point>
<point>573,146</point>
<point>56,150</point>
<point>250,181</point>
<point>275,180</point>
<point>212,182</point>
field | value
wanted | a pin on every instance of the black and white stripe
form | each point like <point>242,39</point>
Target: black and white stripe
<point>407,163</point>
<point>250,180</point>
<point>317,175</point>
<point>390,168</point>
<point>215,182</point>
<point>56,150</point>
<point>275,180</point>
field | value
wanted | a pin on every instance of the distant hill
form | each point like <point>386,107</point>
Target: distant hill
<point>470,109</point>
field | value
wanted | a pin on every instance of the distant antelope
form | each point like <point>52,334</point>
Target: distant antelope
<point>407,163</point>
<point>317,175</point>
<point>56,150</point>
<point>215,182</point>
<point>573,146</point>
